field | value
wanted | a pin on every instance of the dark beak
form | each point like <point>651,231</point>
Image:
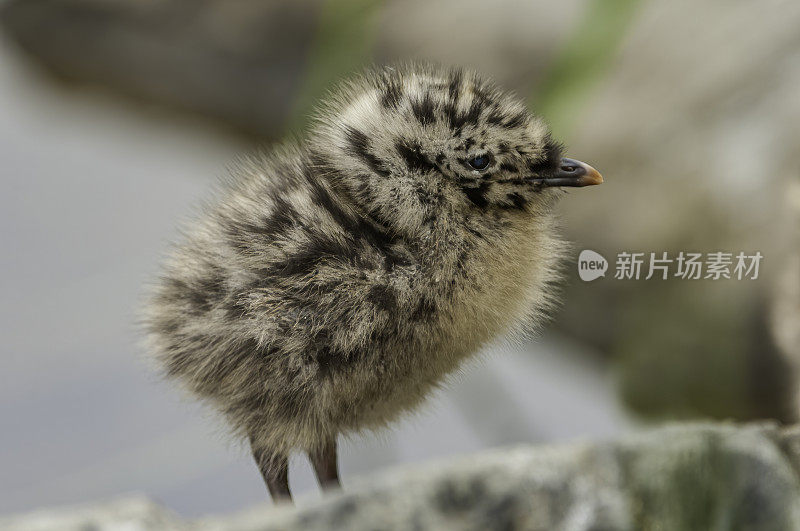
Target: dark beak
<point>572,173</point>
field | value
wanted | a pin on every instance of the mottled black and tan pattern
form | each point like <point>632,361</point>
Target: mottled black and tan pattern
<point>331,285</point>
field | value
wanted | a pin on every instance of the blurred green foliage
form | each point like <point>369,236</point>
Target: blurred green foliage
<point>583,62</point>
<point>343,44</point>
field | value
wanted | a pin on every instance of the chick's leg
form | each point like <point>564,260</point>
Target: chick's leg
<point>275,471</point>
<point>325,465</point>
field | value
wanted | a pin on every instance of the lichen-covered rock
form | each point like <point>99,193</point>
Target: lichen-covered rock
<point>697,476</point>
<point>693,477</point>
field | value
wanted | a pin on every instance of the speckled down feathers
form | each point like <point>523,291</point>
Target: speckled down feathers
<point>330,285</point>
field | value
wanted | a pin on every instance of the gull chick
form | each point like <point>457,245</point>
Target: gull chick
<point>332,284</point>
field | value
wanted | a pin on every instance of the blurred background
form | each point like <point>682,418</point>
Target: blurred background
<point>118,115</point>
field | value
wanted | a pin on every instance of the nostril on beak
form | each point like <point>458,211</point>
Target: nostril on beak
<point>569,168</point>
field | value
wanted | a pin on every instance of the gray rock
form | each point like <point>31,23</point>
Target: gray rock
<point>693,476</point>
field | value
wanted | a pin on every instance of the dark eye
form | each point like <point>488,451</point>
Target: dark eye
<point>481,162</point>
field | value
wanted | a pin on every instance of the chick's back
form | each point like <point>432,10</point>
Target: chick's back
<point>282,304</point>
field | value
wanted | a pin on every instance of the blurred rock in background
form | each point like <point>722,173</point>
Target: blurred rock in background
<point>697,126</point>
<point>253,63</point>
<point>240,62</point>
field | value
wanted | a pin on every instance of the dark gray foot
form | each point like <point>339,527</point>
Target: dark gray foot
<point>325,465</point>
<point>275,471</point>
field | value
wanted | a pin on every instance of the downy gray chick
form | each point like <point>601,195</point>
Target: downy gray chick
<point>332,284</point>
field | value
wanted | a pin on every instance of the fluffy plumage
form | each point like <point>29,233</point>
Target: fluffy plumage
<point>332,284</point>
